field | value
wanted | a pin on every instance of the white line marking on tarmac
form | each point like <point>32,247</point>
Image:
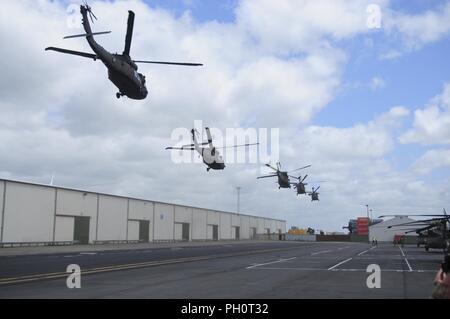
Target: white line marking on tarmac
<point>344,270</point>
<point>406,259</point>
<point>341,263</point>
<point>363,252</point>
<point>269,263</point>
<point>321,252</point>
<point>88,253</point>
<point>344,247</point>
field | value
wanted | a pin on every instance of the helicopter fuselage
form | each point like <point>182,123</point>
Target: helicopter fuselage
<point>301,189</point>
<point>122,71</point>
<point>211,157</point>
<point>283,180</point>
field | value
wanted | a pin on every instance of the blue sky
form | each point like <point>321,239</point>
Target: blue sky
<point>410,81</point>
<point>202,10</point>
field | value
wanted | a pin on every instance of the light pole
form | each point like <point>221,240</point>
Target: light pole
<point>238,198</point>
<point>367,211</point>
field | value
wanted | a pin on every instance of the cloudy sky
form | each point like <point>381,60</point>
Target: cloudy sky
<point>369,108</point>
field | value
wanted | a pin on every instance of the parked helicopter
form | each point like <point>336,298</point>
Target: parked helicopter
<point>122,70</point>
<point>434,232</point>
<point>211,156</point>
<point>283,177</point>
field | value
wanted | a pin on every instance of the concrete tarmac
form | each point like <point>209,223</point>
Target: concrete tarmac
<point>230,270</point>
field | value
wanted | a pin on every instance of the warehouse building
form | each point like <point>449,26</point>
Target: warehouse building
<point>35,213</point>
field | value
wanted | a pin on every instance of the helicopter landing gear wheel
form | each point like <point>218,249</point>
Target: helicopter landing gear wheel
<point>119,95</point>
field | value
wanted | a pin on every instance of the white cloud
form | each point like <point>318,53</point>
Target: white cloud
<point>417,30</point>
<point>377,83</point>
<point>432,160</point>
<point>432,123</point>
<point>293,26</point>
<point>362,141</point>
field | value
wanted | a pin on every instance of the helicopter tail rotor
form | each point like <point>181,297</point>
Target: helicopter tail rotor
<point>89,11</point>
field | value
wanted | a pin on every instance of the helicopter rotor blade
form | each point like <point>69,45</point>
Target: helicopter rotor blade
<point>268,165</point>
<point>129,36</point>
<point>304,178</point>
<point>236,146</point>
<point>86,35</point>
<point>168,63</point>
<point>423,215</point>
<point>298,169</point>
<point>180,148</point>
<point>267,176</point>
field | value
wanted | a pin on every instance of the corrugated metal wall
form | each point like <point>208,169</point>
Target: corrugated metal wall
<point>40,213</point>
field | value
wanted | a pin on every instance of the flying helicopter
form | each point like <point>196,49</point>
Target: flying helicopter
<point>300,186</point>
<point>314,194</point>
<point>122,69</point>
<point>211,156</point>
<point>283,177</point>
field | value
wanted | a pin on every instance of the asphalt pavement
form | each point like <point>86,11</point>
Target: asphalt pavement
<point>229,270</point>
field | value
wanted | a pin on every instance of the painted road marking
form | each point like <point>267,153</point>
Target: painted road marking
<point>363,252</point>
<point>341,269</point>
<point>321,252</point>
<point>269,263</point>
<point>46,276</point>
<point>341,263</point>
<point>406,259</point>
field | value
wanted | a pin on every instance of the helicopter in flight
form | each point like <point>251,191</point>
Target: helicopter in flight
<point>210,155</point>
<point>300,186</point>
<point>314,194</point>
<point>283,177</point>
<point>122,69</point>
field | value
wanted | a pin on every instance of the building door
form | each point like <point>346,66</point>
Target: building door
<point>215,233</point>
<point>144,229</point>
<point>237,234</point>
<point>253,232</point>
<point>185,232</point>
<point>81,230</point>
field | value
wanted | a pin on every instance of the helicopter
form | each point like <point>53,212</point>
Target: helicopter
<point>211,156</point>
<point>314,194</point>
<point>300,186</point>
<point>122,70</point>
<point>437,236</point>
<point>283,177</point>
